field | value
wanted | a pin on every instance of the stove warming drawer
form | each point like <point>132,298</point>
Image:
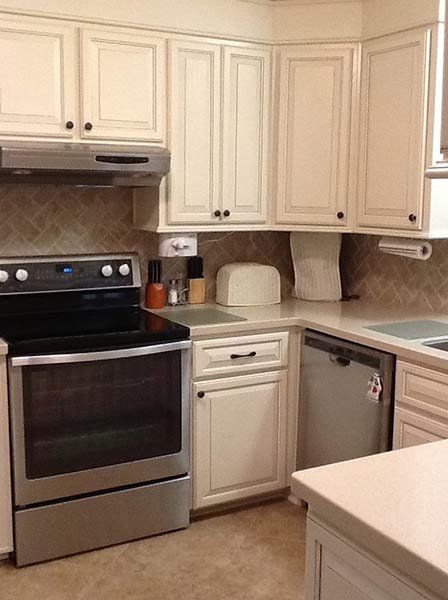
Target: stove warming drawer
<point>63,528</point>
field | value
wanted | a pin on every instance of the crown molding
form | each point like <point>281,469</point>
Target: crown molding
<point>280,3</point>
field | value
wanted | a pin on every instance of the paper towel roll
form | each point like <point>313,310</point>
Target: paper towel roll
<point>419,249</point>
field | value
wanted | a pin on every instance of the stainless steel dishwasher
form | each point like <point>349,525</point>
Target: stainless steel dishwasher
<point>345,401</point>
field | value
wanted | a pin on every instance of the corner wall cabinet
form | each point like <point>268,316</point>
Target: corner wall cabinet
<point>315,135</point>
<point>421,406</point>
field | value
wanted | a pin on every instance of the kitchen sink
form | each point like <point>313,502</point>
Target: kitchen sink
<point>439,344</point>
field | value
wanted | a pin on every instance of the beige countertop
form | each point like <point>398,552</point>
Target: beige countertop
<point>394,504</point>
<point>341,319</point>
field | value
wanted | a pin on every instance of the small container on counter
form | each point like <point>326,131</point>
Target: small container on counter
<point>196,280</point>
<point>155,290</point>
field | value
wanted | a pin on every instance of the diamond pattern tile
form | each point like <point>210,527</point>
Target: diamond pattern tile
<point>388,279</point>
<point>48,219</point>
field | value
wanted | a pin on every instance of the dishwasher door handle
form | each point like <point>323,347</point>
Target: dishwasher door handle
<point>340,361</point>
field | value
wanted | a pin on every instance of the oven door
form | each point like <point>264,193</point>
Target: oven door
<point>87,422</point>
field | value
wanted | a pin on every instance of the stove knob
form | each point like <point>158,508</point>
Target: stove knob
<point>124,270</point>
<point>107,270</point>
<point>4,276</point>
<point>21,275</point>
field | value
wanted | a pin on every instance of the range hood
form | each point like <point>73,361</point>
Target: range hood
<point>83,164</point>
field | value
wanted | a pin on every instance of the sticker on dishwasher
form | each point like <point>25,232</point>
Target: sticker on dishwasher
<point>374,388</point>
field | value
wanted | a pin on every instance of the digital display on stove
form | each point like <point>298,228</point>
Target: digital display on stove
<point>65,269</point>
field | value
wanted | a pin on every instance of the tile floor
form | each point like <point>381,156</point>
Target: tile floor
<point>255,553</point>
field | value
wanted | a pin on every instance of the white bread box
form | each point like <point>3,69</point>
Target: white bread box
<point>247,284</point>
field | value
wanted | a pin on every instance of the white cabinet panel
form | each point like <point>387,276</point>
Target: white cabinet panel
<point>194,183</point>
<point>229,356</point>
<point>37,78</point>
<point>411,429</point>
<point>6,543</point>
<point>123,85</point>
<point>239,437</point>
<point>395,75</point>
<point>314,135</point>
<point>246,110</point>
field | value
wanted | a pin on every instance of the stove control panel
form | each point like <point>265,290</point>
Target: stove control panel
<point>67,273</point>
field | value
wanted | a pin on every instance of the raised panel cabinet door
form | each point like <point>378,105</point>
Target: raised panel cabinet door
<point>411,429</point>
<point>123,85</point>
<point>37,79</point>
<point>195,133</point>
<point>239,432</point>
<point>394,88</point>
<point>314,132</point>
<point>6,538</point>
<point>246,110</point>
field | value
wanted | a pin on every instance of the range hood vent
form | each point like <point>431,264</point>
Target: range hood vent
<point>83,164</point>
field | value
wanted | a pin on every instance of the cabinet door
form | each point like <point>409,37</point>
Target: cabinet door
<point>246,109</point>
<point>392,129</point>
<point>6,544</point>
<point>314,135</point>
<point>239,432</point>
<point>411,429</point>
<point>37,78</point>
<point>123,85</point>
<point>194,181</point>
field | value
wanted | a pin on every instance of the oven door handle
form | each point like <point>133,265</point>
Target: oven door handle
<point>78,357</point>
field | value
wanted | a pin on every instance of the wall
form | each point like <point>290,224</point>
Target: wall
<point>65,220</point>
<point>388,279</point>
<point>232,18</point>
<point>383,16</point>
<point>317,21</point>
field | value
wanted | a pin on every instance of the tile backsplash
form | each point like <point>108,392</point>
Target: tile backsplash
<point>66,220</point>
<point>389,279</point>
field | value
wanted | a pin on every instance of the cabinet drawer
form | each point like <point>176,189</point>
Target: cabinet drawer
<point>240,354</point>
<point>422,389</point>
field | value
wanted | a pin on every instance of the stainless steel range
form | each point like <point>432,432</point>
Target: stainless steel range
<point>99,406</point>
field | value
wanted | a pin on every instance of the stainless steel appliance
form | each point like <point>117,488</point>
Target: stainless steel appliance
<point>337,419</point>
<point>83,164</point>
<point>99,403</point>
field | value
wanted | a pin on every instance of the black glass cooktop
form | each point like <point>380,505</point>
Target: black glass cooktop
<point>87,330</point>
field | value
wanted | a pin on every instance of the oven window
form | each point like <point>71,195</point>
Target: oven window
<point>80,416</point>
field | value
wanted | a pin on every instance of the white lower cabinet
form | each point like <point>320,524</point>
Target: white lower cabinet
<point>337,569</point>
<point>421,406</point>
<point>6,543</point>
<point>239,437</point>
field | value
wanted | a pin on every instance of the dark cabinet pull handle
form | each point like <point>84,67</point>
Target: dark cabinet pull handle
<point>201,394</point>
<point>412,218</point>
<point>69,125</point>
<point>340,215</point>
<point>250,355</point>
<point>217,213</point>
<point>88,126</point>
<point>226,213</point>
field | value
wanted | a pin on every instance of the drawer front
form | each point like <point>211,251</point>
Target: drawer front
<point>240,354</point>
<point>422,389</point>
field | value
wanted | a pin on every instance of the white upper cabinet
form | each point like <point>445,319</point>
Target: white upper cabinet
<point>394,109</point>
<point>246,121</point>
<point>314,134</point>
<point>219,134</point>
<point>37,78</point>
<point>194,90</point>
<point>123,85</point>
